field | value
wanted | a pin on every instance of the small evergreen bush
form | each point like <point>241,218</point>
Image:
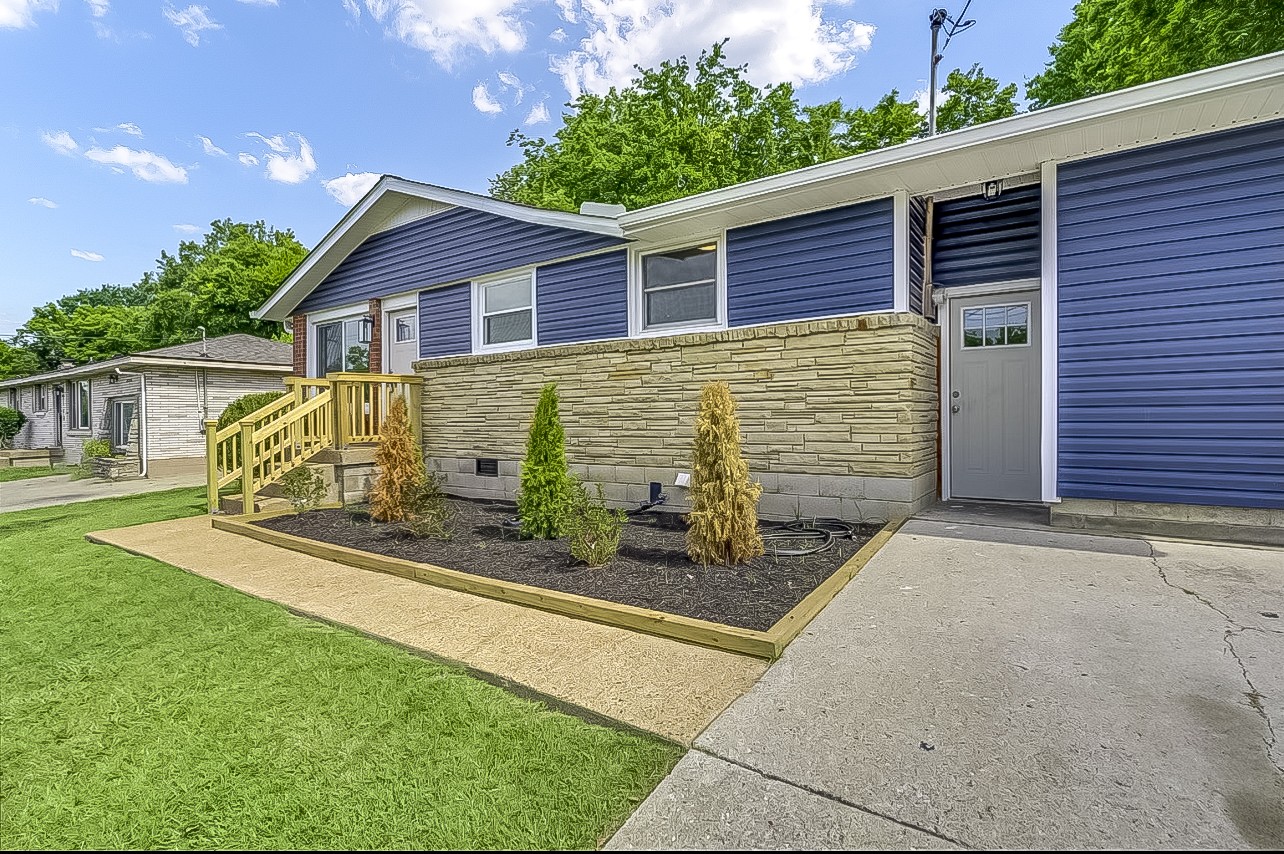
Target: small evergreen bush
<point>546,489</point>
<point>243,406</point>
<point>431,512</point>
<point>592,531</point>
<point>723,524</point>
<point>400,482</point>
<point>304,487</point>
<point>11,421</point>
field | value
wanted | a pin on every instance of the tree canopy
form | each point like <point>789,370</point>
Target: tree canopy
<point>214,282</point>
<point>1113,44</point>
<point>685,128</point>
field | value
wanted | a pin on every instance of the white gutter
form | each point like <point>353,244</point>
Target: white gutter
<point>141,361</point>
<point>142,416</point>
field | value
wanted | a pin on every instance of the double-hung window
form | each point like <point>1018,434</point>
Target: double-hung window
<point>504,312</point>
<point>679,287</point>
<point>78,412</point>
<point>41,402</point>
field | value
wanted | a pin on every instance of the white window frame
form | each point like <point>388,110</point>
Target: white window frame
<point>40,398</point>
<point>324,318</point>
<point>637,316</point>
<point>114,408</point>
<point>996,304</point>
<point>479,327</point>
<point>80,419</point>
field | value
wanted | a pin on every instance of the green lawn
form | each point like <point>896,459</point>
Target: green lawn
<point>8,474</point>
<point>142,707</point>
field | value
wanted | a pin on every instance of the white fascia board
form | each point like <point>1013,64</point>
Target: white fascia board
<point>318,262</point>
<point>1239,74</point>
<point>149,362</point>
<point>129,362</point>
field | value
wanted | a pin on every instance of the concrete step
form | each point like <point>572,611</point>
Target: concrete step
<point>234,506</point>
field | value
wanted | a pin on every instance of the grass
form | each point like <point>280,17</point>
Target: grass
<point>144,707</point>
<point>8,474</point>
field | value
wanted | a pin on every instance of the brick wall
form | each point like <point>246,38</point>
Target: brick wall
<point>299,327</point>
<point>839,416</point>
<point>376,337</point>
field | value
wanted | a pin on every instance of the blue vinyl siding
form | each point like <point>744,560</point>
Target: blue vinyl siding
<point>1171,317</point>
<point>586,299</point>
<point>456,244</point>
<point>976,241</point>
<point>916,233</point>
<point>446,321</point>
<point>826,263</point>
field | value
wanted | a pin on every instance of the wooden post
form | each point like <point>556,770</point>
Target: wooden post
<point>339,403</point>
<point>416,401</point>
<point>247,466</point>
<point>211,465</point>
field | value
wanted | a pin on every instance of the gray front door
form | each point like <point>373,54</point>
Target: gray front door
<point>994,402</point>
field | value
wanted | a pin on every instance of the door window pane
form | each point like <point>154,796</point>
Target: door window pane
<point>996,325</point>
<point>404,329</point>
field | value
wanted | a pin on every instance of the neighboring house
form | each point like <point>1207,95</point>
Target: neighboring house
<point>1081,306</point>
<point>150,405</point>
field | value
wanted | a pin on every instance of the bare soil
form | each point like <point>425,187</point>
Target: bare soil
<point>652,569</point>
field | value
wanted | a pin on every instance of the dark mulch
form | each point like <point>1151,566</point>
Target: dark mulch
<point>651,571</point>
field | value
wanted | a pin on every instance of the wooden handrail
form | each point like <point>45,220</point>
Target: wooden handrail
<point>284,444</point>
<point>223,460</point>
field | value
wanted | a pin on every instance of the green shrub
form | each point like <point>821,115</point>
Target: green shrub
<point>430,511</point>
<point>546,486</point>
<point>89,451</point>
<point>243,406</point>
<point>592,531</point>
<point>724,503</point>
<point>400,463</point>
<point>11,421</point>
<point>304,487</point>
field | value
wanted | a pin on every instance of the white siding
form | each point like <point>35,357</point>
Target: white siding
<point>180,399</point>
<point>40,431</point>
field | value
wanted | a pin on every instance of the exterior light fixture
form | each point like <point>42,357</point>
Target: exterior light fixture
<point>365,329</point>
<point>992,189</point>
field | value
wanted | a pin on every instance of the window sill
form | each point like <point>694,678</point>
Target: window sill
<point>480,350</point>
<point>682,329</point>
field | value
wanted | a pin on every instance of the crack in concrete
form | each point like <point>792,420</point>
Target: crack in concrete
<point>830,796</point>
<point>1254,696</point>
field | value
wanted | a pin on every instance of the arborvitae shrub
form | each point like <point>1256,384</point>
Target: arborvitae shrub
<point>401,468</point>
<point>723,524</point>
<point>304,487</point>
<point>243,406</point>
<point>430,516</point>
<point>593,531</point>
<point>546,487</point>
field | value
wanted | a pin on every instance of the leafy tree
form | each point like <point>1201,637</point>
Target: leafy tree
<point>17,362</point>
<point>1113,44</point>
<point>214,283</point>
<point>685,128</point>
<point>723,524</point>
<point>546,485</point>
<point>11,421</point>
<point>972,98</point>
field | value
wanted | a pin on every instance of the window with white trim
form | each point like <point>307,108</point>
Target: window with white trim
<point>679,287</point>
<point>996,325</point>
<point>78,412</point>
<point>122,419</point>
<point>504,312</point>
<point>343,345</point>
<point>41,393</point>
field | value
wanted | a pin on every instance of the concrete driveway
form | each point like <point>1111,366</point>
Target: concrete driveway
<point>61,489</point>
<point>987,686</point>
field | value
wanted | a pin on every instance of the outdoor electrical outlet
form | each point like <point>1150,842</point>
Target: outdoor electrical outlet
<point>683,479</point>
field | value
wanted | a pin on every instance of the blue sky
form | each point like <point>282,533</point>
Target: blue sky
<point>125,125</point>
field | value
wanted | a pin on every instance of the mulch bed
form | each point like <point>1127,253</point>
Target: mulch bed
<point>652,569</point>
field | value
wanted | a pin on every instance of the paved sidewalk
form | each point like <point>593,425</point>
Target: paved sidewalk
<point>995,687</point>
<point>61,489</point>
<point>655,684</point>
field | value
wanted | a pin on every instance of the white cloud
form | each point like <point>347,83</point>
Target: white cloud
<point>210,148</point>
<point>98,8</point>
<point>191,22</point>
<point>130,128</point>
<point>780,40</point>
<point>283,163</point>
<point>88,256</point>
<point>538,115</point>
<point>19,14</point>
<point>348,189</point>
<point>920,100</point>
<point>146,165</point>
<point>258,2</point>
<point>187,228</point>
<point>483,101</point>
<point>60,141</point>
<point>247,159</point>
<point>446,29</point>
<point>509,79</point>
<point>43,202</point>
<point>353,7</point>
<point>558,35</point>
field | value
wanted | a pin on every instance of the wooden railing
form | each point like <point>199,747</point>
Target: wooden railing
<point>342,409</point>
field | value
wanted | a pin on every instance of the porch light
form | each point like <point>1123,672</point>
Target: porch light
<point>365,329</point>
<point>992,190</point>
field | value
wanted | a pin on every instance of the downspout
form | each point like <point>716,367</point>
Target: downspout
<point>142,416</point>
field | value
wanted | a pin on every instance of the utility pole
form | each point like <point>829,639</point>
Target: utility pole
<point>939,19</point>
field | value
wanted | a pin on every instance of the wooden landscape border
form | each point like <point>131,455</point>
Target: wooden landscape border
<point>767,644</point>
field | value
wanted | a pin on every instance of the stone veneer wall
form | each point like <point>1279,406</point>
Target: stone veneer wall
<point>839,417</point>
